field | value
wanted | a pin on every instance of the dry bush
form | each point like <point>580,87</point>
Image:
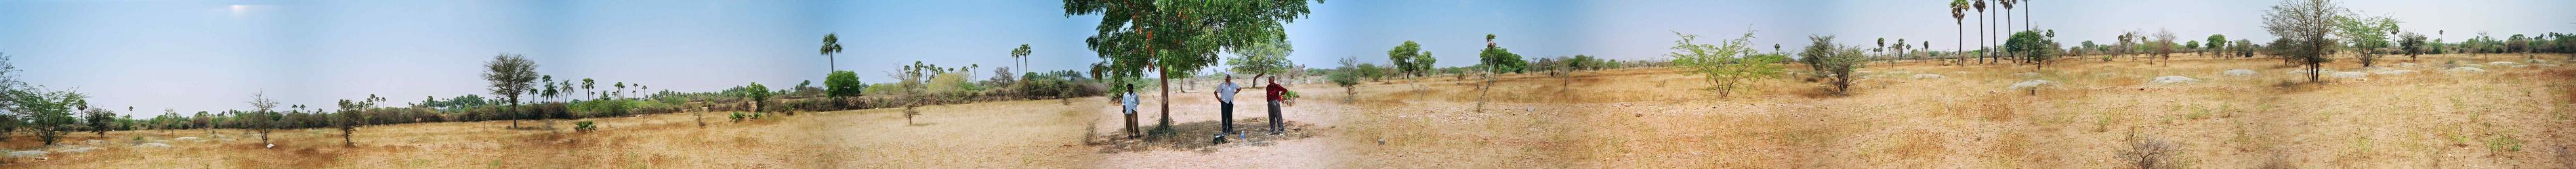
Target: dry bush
<point>2146,152</point>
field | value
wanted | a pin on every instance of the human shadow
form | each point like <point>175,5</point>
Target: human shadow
<point>1201,137</point>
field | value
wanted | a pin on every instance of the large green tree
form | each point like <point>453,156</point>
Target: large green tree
<point>2031,47</point>
<point>1497,59</point>
<point>510,75</point>
<point>843,84</point>
<point>2216,42</point>
<point>1410,59</point>
<point>1178,36</point>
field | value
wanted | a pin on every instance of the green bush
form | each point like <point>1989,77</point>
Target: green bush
<point>584,126</point>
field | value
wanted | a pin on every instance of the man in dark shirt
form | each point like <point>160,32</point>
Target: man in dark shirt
<point>1276,124</point>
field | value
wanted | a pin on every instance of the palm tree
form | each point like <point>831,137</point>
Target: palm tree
<point>831,45</point>
<point>1958,19</point>
<point>1982,31</point>
<point>2007,14</point>
<point>1022,53</point>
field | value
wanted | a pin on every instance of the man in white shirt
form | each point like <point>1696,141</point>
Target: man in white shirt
<point>1225,101</point>
<point>1128,101</point>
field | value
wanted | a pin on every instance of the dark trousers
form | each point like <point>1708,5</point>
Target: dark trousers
<point>1275,121</point>
<point>1225,118</point>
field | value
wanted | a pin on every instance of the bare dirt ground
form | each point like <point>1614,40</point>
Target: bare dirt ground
<point>2101,115</point>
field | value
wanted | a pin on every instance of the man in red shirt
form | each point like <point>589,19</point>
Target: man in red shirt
<point>1276,124</point>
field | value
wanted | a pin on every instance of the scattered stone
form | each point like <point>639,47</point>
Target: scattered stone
<point>2465,70</point>
<point>152,145</point>
<point>2173,80</point>
<point>2520,66</point>
<point>77,150</point>
<point>189,139</point>
<point>1929,76</point>
<point>2351,75</point>
<point>2031,84</point>
<point>27,154</point>
<point>2393,72</point>
<point>2500,63</point>
<point>2239,72</point>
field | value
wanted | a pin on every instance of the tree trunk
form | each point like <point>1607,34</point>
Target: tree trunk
<point>1167,97</point>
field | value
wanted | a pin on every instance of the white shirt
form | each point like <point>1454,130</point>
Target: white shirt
<point>1225,92</point>
<point>1129,102</point>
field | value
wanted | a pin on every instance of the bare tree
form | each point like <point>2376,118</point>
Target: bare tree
<point>2303,26</point>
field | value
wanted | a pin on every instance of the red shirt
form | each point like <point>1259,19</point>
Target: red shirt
<point>1274,91</point>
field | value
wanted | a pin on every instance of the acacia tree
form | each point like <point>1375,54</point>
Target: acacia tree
<point>2411,44</point>
<point>98,120</point>
<point>2366,35</point>
<point>261,119</point>
<point>2303,26</point>
<point>1722,63</point>
<point>351,116</point>
<point>1176,36</point>
<point>1834,60</point>
<point>509,75</point>
<point>49,113</point>
<point>2164,45</point>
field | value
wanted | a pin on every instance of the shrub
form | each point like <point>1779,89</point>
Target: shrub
<point>584,126</point>
<point>1721,64</point>
<point>737,117</point>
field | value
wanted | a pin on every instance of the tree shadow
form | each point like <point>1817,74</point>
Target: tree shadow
<point>1201,137</point>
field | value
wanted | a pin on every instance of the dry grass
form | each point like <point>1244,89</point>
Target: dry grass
<point>1628,118</point>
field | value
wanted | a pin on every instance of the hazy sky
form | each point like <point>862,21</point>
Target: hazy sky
<point>210,55</point>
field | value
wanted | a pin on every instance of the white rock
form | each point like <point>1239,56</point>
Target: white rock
<point>2173,80</point>
<point>2351,75</point>
<point>2031,84</point>
<point>1929,76</point>
<point>2465,70</point>
<point>2500,63</point>
<point>77,150</point>
<point>2239,72</point>
<point>2535,61</point>
<point>27,154</point>
<point>2393,72</point>
<point>152,145</point>
<point>192,139</point>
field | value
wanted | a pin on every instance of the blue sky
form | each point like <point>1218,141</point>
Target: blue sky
<point>210,55</point>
